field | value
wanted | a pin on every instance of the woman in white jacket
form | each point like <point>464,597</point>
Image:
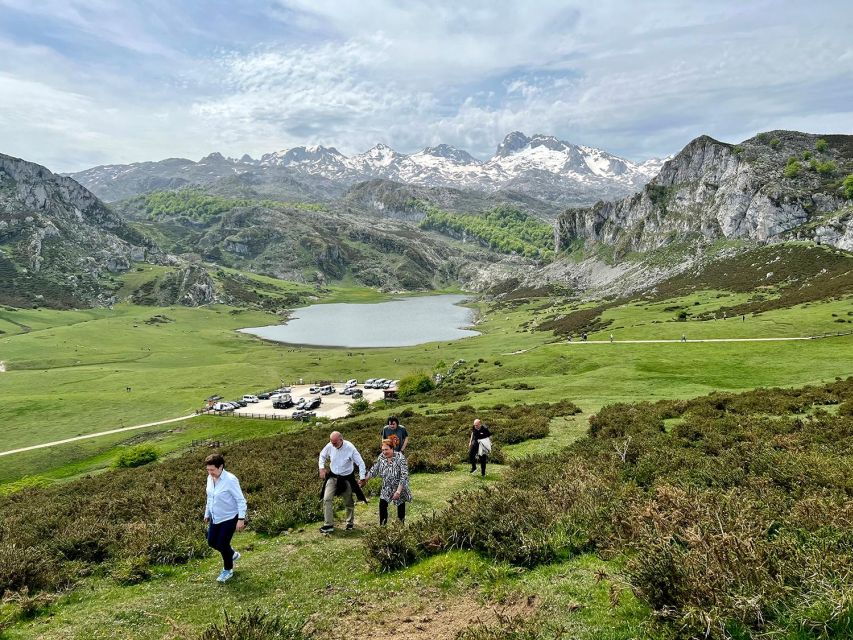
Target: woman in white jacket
<point>225,512</point>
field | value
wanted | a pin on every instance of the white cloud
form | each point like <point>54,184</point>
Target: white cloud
<point>637,79</point>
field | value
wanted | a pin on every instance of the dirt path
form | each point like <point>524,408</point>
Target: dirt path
<point>94,435</point>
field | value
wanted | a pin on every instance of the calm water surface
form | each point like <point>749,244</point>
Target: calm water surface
<point>398,323</point>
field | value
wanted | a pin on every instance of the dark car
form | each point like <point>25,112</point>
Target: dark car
<point>312,403</point>
<point>283,403</point>
<point>265,395</point>
<point>357,393</point>
<point>240,402</point>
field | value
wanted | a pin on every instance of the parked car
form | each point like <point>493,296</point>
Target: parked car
<point>284,401</point>
<point>314,389</point>
<point>386,385</point>
<point>283,390</point>
<point>264,395</point>
<point>239,403</point>
<point>368,384</point>
<point>351,383</point>
<point>302,415</point>
<point>300,404</point>
<point>250,398</point>
<point>312,403</point>
<point>345,391</point>
<point>222,406</point>
<point>327,390</point>
<point>395,384</point>
<point>357,393</point>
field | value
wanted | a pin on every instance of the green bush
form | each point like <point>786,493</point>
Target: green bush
<point>775,142</point>
<point>807,155</point>
<point>414,384</point>
<point>792,169</point>
<point>358,406</point>
<point>847,187</point>
<point>825,168</point>
<point>136,456</point>
<point>821,145</point>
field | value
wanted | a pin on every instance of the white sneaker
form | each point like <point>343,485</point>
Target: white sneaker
<point>236,556</point>
<point>225,576</point>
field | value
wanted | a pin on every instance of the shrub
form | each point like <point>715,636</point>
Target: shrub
<point>792,169</point>
<point>821,145</point>
<point>360,405</point>
<point>824,168</point>
<point>763,137</point>
<point>807,155</point>
<point>847,187</point>
<point>136,456</point>
<point>415,384</point>
<point>255,625</point>
<point>775,142</point>
<point>738,149</point>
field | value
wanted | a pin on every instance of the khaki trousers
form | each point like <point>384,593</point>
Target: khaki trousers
<point>329,501</point>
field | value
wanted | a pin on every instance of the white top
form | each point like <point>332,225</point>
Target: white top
<point>342,459</point>
<point>224,498</point>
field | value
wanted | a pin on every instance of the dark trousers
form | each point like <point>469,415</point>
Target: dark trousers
<point>383,511</point>
<point>472,458</point>
<point>219,537</point>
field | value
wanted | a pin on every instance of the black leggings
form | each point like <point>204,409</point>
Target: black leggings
<point>472,458</point>
<point>383,511</point>
<point>219,537</point>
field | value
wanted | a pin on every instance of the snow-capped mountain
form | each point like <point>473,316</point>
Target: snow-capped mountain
<point>540,166</point>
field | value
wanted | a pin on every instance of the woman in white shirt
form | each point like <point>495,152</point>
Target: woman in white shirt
<point>225,512</point>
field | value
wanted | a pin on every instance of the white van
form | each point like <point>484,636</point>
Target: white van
<point>350,383</point>
<point>223,406</point>
<point>326,390</point>
<point>250,398</point>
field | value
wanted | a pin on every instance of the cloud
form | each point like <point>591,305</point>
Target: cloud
<point>146,80</point>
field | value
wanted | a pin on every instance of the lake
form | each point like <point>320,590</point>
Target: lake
<point>397,323</point>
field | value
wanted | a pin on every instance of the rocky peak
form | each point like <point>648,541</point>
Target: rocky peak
<point>214,158</point>
<point>451,153</point>
<point>512,142</point>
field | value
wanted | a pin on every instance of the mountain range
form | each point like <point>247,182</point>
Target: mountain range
<point>539,166</point>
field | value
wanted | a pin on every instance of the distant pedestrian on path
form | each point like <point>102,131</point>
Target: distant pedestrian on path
<point>683,338</point>
<point>611,337</point>
<point>392,467</point>
<point>479,446</point>
<point>400,433</point>
<point>225,512</point>
<point>339,479</point>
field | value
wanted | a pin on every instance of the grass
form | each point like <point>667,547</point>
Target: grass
<point>68,374</point>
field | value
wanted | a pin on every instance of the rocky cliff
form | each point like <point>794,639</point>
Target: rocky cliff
<point>59,244</point>
<point>778,185</point>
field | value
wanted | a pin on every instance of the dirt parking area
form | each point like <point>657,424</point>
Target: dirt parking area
<point>334,405</point>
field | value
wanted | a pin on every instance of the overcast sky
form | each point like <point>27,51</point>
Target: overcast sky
<point>87,82</point>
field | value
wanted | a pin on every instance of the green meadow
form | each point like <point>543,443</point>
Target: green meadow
<point>71,373</point>
<point>68,374</point>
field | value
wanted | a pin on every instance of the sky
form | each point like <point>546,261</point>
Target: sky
<point>90,82</point>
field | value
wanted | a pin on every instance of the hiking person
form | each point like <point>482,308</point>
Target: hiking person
<point>479,446</point>
<point>392,467</point>
<point>225,512</point>
<point>611,337</point>
<point>394,428</point>
<point>683,337</point>
<point>339,479</point>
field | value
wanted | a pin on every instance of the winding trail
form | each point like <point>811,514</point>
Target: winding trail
<point>94,435</point>
<point>581,342</point>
